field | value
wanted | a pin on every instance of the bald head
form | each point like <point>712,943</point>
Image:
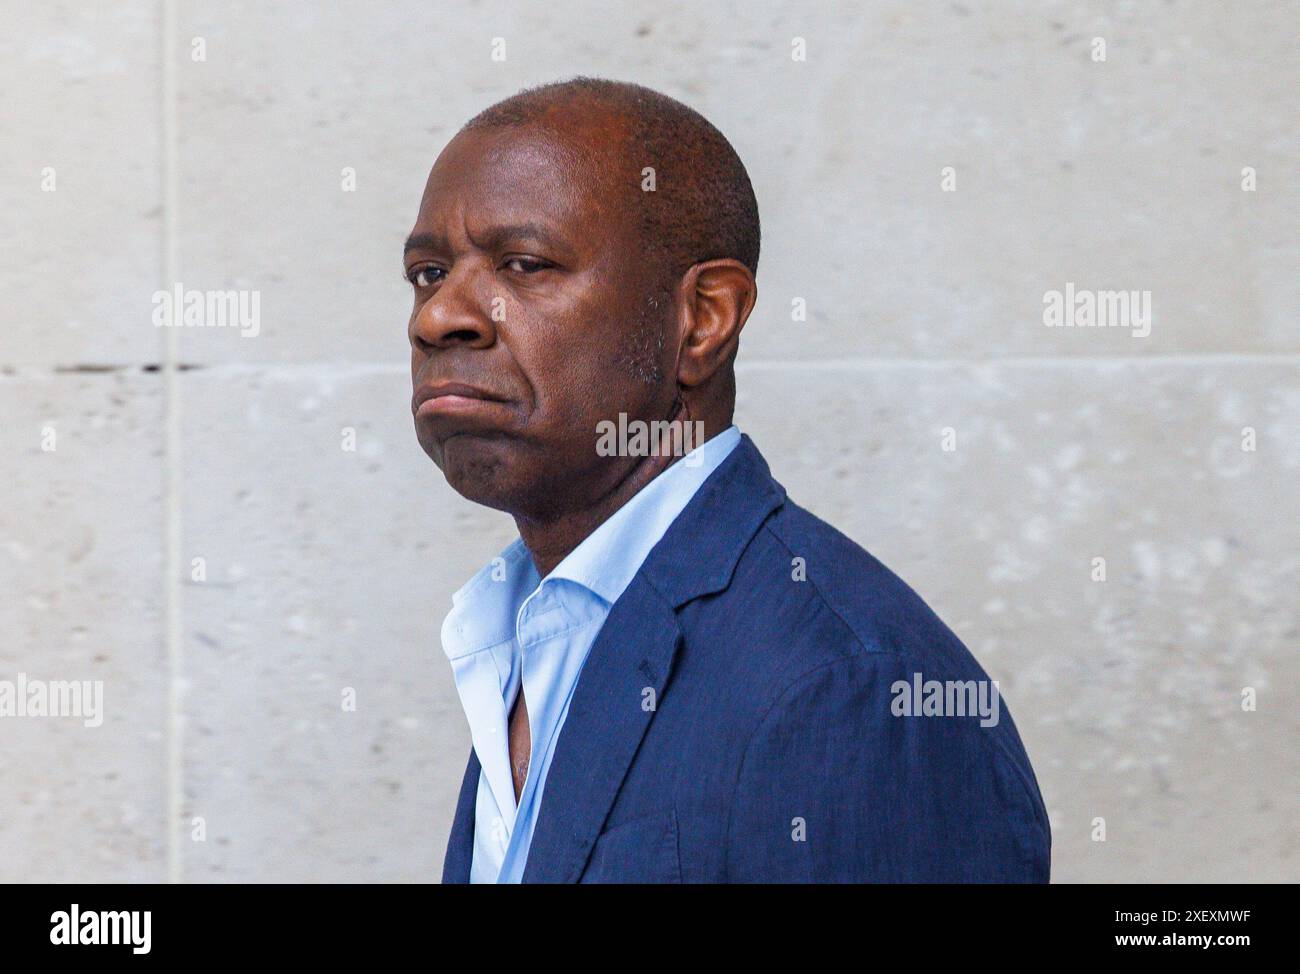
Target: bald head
<point>702,206</point>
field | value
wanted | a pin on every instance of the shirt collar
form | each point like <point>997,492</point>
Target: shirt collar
<point>608,558</point>
<point>484,610</point>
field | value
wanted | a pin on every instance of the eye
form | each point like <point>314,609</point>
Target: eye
<point>425,276</point>
<point>525,265</point>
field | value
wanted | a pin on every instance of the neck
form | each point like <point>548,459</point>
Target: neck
<point>549,542</point>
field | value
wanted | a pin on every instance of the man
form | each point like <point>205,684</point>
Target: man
<point>676,673</point>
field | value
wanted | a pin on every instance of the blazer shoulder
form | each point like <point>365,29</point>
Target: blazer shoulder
<point>859,627</point>
<point>880,612</point>
<point>801,596</point>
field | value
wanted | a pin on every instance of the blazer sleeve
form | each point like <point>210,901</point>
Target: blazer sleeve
<point>834,787</point>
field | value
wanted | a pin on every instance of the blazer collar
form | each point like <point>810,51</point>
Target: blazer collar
<point>699,552</point>
<point>634,654</point>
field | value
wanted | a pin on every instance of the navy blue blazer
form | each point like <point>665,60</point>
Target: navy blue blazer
<point>733,722</point>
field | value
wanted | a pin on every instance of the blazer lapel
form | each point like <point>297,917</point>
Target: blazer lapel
<point>460,843</point>
<point>608,716</point>
<point>633,653</point>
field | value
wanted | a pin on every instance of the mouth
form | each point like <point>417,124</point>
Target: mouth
<point>454,399</point>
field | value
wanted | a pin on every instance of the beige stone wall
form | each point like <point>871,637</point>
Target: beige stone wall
<point>328,569</point>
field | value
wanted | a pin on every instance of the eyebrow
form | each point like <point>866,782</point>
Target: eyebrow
<point>492,239</point>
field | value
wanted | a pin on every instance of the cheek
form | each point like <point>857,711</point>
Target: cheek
<point>571,379</point>
<point>591,353</point>
<point>563,349</point>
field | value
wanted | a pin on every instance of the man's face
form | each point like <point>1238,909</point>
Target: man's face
<point>534,316</point>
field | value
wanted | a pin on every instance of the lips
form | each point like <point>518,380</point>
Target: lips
<point>452,399</point>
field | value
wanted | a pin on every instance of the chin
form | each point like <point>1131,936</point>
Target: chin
<point>524,477</point>
<point>477,468</point>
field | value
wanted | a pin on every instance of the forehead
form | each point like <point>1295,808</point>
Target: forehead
<point>568,180</point>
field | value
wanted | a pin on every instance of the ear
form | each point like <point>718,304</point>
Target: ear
<point>717,297</point>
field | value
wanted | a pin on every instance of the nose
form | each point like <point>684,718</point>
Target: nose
<point>454,314</point>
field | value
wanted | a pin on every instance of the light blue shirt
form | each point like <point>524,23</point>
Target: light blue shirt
<point>508,625</point>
